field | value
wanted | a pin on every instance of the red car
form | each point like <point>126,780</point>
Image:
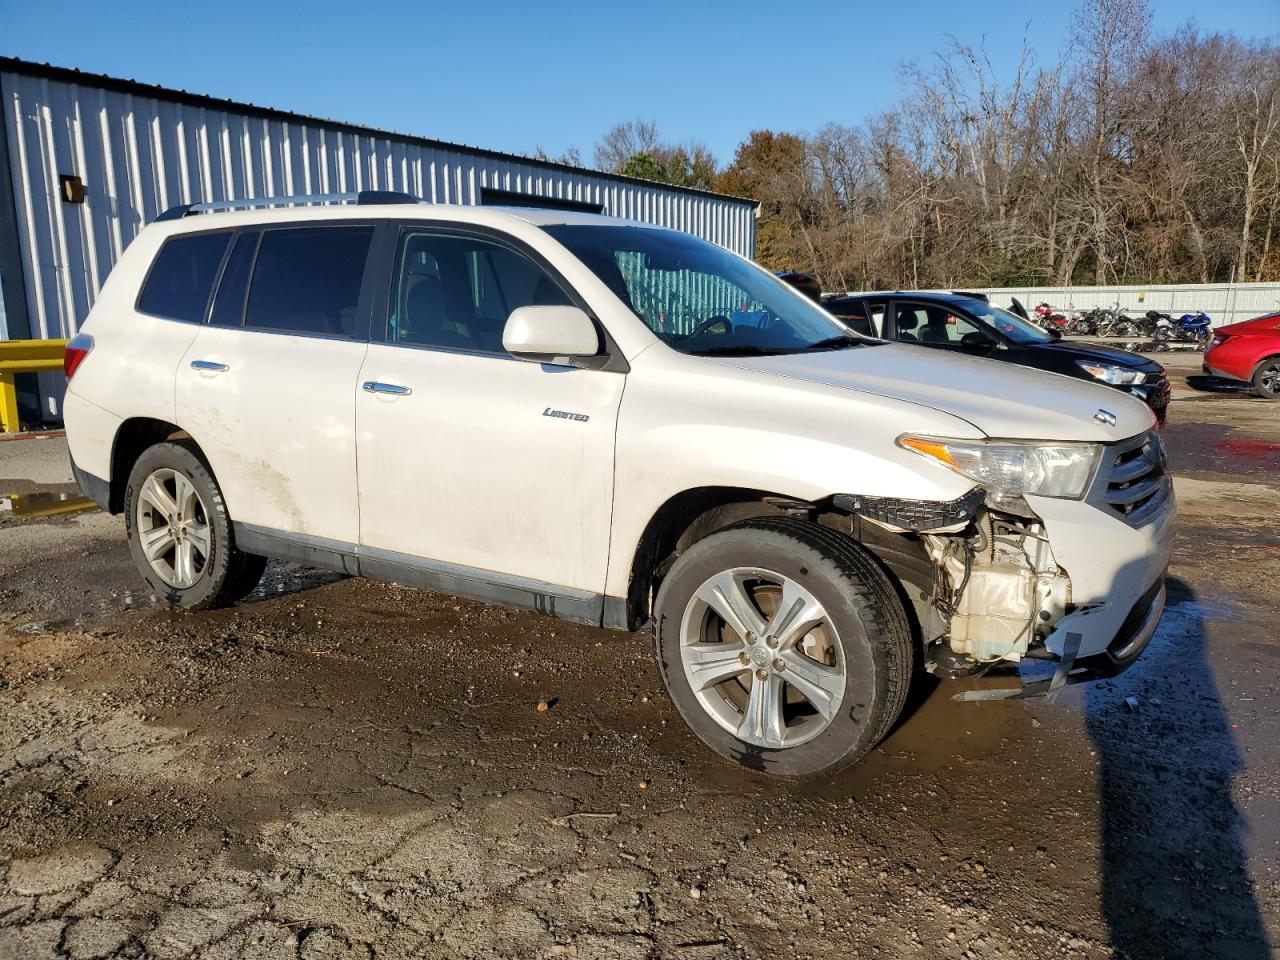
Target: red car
<point>1249,352</point>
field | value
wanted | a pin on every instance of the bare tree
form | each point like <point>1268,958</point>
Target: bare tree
<point>1111,36</point>
<point>624,141</point>
<point>1255,113</point>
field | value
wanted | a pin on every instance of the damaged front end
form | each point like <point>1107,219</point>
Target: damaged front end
<point>984,583</point>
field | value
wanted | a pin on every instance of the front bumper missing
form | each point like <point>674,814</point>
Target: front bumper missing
<point>1129,643</point>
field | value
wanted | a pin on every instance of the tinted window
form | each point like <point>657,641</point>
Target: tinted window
<point>854,316</point>
<point>228,302</point>
<point>307,279</point>
<point>182,277</point>
<point>453,291</point>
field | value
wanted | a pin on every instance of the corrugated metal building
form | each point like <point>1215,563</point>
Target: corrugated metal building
<point>91,159</point>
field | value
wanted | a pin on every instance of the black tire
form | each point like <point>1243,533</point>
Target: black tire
<point>1160,334</point>
<point>1266,379</point>
<point>228,573</point>
<point>863,606</point>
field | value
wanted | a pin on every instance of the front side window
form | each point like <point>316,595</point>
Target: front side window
<point>182,276</point>
<point>932,323</point>
<point>699,298</point>
<point>307,280</point>
<point>457,291</point>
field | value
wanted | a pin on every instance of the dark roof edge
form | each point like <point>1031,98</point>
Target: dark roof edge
<point>71,75</point>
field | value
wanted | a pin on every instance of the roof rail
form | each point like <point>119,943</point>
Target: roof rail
<point>363,198</point>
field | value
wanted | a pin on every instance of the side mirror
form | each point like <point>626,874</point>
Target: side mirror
<point>1055,333</point>
<point>977,342</point>
<point>550,334</point>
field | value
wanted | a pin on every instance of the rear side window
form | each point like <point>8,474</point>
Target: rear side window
<point>228,302</point>
<point>307,280</point>
<point>854,317</point>
<point>182,276</point>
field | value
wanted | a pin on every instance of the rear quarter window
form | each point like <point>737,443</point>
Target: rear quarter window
<point>182,276</point>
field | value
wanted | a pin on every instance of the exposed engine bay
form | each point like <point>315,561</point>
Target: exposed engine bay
<point>999,589</point>
<point>992,591</point>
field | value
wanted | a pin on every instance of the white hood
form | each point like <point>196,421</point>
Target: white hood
<point>1002,400</point>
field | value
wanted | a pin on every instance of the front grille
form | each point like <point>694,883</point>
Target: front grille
<point>1134,481</point>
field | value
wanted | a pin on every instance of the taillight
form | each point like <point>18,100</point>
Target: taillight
<point>1217,341</point>
<point>78,348</point>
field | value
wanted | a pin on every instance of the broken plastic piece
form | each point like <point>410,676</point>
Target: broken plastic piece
<point>918,515</point>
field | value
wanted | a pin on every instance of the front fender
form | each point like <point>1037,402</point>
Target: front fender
<point>726,427</point>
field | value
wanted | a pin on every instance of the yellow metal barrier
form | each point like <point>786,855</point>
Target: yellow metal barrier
<point>23,356</point>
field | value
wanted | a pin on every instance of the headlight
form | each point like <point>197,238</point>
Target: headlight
<point>1108,373</point>
<point>1009,468</point>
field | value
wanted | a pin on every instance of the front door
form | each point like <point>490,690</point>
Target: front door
<point>473,464</point>
<point>267,388</point>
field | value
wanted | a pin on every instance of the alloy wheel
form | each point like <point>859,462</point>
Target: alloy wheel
<point>1269,379</point>
<point>762,657</point>
<point>173,528</point>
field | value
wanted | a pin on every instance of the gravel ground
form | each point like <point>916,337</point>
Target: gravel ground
<point>340,768</point>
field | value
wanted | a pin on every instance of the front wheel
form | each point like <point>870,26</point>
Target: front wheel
<point>784,646</point>
<point>180,534</point>
<point>1266,379</point>
<point>1160,334</point>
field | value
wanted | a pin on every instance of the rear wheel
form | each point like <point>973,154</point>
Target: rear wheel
<point>1266,379</point>
<point>784,646</point>
<point>180,534</point>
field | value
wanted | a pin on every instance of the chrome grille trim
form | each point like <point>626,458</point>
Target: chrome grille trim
<point>1133,481</point>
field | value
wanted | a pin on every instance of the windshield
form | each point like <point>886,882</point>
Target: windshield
<point>1009,324</point>
<point>699,298</point>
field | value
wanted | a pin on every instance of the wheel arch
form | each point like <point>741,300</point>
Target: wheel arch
<point>690,515</point>
<point>134,437</point>
<point>1253,371</point>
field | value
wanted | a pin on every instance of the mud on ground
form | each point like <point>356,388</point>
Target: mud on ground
<point>339,768</point>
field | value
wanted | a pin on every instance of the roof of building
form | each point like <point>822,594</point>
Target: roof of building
<point>71,75</point>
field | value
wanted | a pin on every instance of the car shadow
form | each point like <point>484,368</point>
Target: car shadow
<point>1208,384</point>
<point>1172,836</point>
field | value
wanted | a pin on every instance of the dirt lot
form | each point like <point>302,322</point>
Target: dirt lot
<point>339,768</point>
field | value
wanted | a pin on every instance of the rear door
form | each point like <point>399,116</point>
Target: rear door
<point>473,464</point>
<point>267,388</point>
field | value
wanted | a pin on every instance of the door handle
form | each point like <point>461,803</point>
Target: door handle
<point>377,386</point>
<point>210,365</point>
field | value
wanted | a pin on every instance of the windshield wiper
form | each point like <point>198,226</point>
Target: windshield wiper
<point>834,343</point>
<point>739,351</point>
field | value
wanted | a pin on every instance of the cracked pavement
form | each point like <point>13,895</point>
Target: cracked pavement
<point>301,776</point>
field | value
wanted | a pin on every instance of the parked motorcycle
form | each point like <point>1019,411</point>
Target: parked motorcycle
<point>1050,318</point>
<point>1189,328</point>
<point>1085,324</point>
<point>1113,323</point>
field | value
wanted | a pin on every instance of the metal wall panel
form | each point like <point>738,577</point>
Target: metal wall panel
<point>140,152</point>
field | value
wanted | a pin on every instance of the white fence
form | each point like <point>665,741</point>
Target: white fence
<point>1224,302</point>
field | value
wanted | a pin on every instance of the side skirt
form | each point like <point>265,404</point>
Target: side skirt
<point>566,603</point>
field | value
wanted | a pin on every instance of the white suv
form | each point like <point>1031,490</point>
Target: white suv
<point>614,423</point>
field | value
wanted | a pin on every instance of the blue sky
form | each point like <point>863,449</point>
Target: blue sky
<point>515,76</point>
